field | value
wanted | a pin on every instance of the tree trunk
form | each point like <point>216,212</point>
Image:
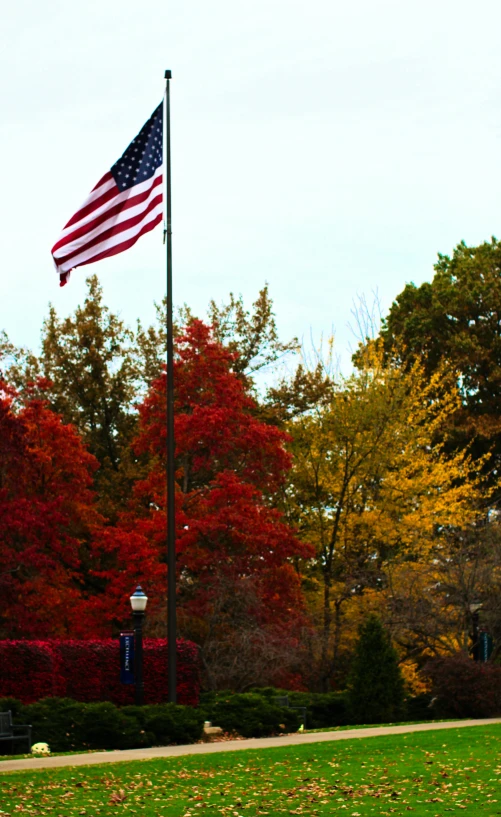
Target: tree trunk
<point>326,631</point>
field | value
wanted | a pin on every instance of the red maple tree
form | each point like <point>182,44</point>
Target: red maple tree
<point>230,540</point>
<point>47,517</point>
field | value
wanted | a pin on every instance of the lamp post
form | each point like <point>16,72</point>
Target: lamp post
<point>475,607</point>
<point>138,602</point>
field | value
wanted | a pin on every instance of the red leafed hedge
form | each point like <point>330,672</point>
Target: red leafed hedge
<point>465,688</point>
<point>90,671</point>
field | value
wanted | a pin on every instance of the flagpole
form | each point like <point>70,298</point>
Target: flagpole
<point>171,506</point>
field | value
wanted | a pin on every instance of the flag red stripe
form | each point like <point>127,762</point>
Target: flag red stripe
<point>113,210</point>
<point>127,224</point>
<point>125,244</point>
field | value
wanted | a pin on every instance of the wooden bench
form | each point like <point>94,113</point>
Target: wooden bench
<point>14,731</point>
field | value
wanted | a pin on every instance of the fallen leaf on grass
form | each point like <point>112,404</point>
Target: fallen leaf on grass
<point>118,797</point>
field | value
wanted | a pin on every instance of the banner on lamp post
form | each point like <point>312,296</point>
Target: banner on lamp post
<point>485,646</point>
<point>127,658</point>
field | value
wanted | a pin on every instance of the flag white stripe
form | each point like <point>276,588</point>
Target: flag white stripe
<point>118,199</point>
<point>85,255</point>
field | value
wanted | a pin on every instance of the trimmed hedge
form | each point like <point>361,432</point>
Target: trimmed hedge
<point>90,671</point>
<point>235,712</point>
<point>69,725</point>
<point>249,714</point>
<point>323,709</point>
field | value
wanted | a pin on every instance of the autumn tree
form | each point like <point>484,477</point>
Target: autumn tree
<point>307,388</point>
<point>91,361</point>
<point>250,335</point>
<point>15,362</point>
<point>429,600</point>
<point>92,374</point>
<point>371,481</point>
<point>47,520</point>
<point>234,550</point>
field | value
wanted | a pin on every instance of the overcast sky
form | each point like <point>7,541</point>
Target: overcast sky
<point>331,149</point>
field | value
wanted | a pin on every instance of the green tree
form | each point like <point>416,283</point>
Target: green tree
<point>376,687</point>
<point>456,320</point>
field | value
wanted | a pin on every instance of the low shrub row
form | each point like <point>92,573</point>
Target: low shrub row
<point>461,688</point>
<point>243,712</point>
<point>260,711</point>
<point>68,725</point>
<point>323,709</point>
<point>250,714</point>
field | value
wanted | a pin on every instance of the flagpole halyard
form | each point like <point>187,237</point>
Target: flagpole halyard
<point>171,497</point>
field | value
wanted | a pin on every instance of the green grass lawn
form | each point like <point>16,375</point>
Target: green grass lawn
<point>433,773</point>
<point>372,725</point>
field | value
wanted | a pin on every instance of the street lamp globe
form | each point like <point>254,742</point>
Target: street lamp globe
<point>138,600</point>
<point>475,606</point>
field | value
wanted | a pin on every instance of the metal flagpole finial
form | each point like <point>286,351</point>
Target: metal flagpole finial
<point>168,75</point>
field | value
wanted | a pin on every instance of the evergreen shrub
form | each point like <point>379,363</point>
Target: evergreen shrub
<point>323,709</point>
<point>248,714</point>
<point>375,685</point>
<point>423,707</point>
<point>68,725</point>
<point>168,723</point>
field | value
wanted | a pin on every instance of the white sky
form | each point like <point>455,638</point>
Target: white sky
<point>328,148</point>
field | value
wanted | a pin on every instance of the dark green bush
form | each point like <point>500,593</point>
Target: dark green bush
<point>421,708</point>
<point>323,709</point>
<point>56,721</point>
<point>248,714</point>
<point>68,725</point>
<point>169,723</point>
<point>327,709</point>
<point>105,726</point>
<point>375,685</point>
<point>12,705</point>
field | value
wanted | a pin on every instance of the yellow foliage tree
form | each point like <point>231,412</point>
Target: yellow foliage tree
<point>371,482</point>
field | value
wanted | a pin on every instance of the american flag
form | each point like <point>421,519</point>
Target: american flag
<point>124,204</point>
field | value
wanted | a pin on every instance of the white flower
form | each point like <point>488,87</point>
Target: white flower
<point>40,749</point>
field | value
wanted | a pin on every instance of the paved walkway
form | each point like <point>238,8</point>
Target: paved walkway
<point>230,745</point>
